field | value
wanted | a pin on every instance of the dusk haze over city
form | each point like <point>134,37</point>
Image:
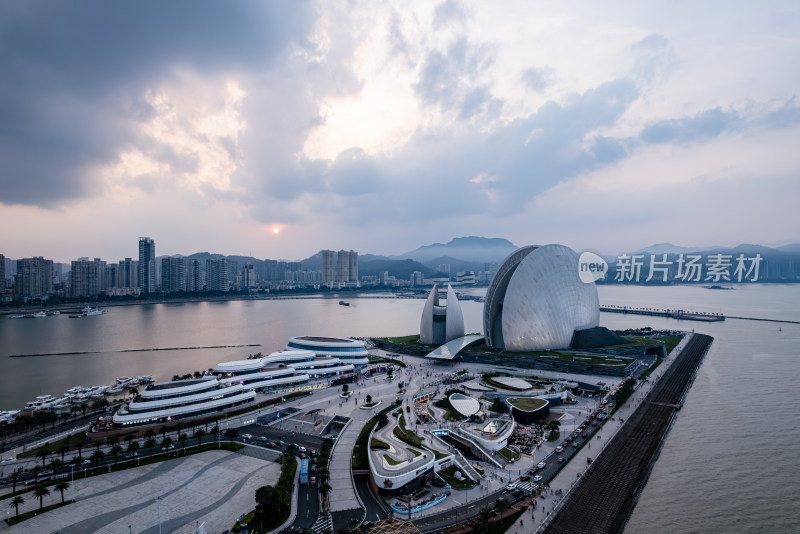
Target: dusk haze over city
<point>399,267</point>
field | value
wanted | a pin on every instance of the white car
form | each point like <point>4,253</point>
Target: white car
<point>301,448</point>
<point>511,486</point>
<point>6,460</point>
<point>541,465</point>
<point>247,436</point>
<point>537,478</point>
<point>559,449</point>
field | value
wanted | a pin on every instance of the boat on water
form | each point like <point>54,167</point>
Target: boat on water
<point>88,311</point>
<point>37,315</point>
<point>343,303</point>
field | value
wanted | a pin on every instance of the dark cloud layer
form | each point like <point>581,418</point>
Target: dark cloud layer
<point>74,73</point>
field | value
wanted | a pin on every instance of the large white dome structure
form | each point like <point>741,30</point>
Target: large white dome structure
<point>537,300</point>
<point>440,324</point>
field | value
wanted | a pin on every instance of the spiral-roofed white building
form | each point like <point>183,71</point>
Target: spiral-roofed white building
<point>536,300</point>
<point>440,324</point>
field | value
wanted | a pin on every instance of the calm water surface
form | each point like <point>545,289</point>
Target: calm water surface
<point>730,464</point>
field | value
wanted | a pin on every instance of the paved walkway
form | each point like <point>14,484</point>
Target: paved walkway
<point>213,487</point>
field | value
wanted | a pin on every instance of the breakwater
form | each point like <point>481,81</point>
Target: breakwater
<point>672,314</point>
<point>606,494</point>
<point>132,350</point>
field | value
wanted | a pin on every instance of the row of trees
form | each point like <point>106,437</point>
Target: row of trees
<point>41,420</point>
<point>39,493</point>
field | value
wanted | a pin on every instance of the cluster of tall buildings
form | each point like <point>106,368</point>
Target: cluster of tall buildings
<point>340,269</point>
<point>40,278</point>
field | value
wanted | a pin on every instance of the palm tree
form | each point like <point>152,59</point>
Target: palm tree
<point>14,476</point>
<point>325,487</point>
<point>97,456</point>
<point>481,521</point>
<point>83,407</point>
<point>199,435</point>
<point>15,502</point>
<point>41,493</point>
<point>74,409</point>
<point>43,453</point>
<point>231,433</point>
<point>115,450</point>
<point>62,450</point>
<point>182,438</point>
<point>215,432</point>
<point>150,433</point>
<point>56,464</point>
<point>133,446</point>
<point>150,443</point>
<point>163,431</point>
<point>62,487</point>
<point>166,443</point>
<point>501,505</point>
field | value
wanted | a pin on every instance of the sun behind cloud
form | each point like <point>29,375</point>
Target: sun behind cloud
<point>276,230</point>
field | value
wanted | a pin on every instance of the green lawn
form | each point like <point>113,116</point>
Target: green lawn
<point>378,444</point>
<point>508,454</point>
<point>499,527</point>
<point>527,404</point>
<point>390,460</point>
<point>70,441</point>
<point>406,435</point>
<point>448,475</point>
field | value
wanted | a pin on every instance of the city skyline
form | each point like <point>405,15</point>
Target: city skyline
<point>277,131</point>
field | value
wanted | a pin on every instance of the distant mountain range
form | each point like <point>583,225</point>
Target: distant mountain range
<point>472,253</point>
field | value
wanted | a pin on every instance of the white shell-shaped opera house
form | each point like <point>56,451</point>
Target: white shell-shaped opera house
<point>537,300</point>
<point>441,324</point>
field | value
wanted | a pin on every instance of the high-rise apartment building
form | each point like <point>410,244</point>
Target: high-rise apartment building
<point>217,275</point>
<point>147,265</point>
<point>248,276</point>
<point>34,277</point>
<point>353,266</point>
<point>343,266</point>
<point>2,272</point>
<point>128,273</point>
<point>87,277</point>
<point>173,275</point>
<point>327,267</point>
<point>194,281</point>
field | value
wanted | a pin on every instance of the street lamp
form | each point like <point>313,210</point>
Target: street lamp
<point>158,510</point>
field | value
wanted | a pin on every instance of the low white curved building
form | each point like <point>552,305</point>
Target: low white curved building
<point>536,301</point>
<point>440,324</point>
<point>183,399</point>
<point>352,351</point>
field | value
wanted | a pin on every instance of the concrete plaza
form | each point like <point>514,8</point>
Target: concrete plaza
<point>214,487</point>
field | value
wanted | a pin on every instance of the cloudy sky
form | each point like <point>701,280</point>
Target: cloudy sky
<point>381,126</point>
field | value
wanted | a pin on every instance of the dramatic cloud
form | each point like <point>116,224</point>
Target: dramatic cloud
<point>375,126</point>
